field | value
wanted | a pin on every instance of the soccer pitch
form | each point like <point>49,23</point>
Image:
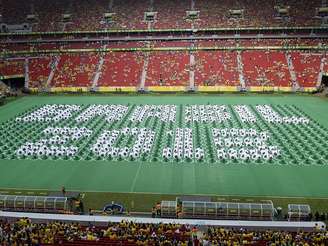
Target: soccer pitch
<point>299,170</point>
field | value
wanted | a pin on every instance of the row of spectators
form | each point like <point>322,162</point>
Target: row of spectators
<point>221,236</point>
<point>24,232</point>
<point>129,14</point>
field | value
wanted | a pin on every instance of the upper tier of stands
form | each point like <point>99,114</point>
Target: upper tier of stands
<point>170,14</point>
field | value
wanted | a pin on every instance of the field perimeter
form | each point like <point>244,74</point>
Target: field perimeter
<point>168,178</point>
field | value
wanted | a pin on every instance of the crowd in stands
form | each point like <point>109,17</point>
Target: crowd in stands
<point>24,232</point>
<point>221,236</point>
<point>129,14</point>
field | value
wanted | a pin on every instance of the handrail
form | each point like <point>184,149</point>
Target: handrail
<point>6,54</point>
<point>130,31</point>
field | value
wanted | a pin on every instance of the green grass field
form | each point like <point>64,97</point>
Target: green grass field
<point>140,183</point>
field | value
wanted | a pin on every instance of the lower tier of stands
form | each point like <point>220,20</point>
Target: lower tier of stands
<point>50,229</point>
<point>216,68</point>
<point>266,68</point>
<point>39,70</point>
<point>306,66</point>
<point>75,70</point>
<point>121,69</point>
<point>254,70</point>
<point>12,68</point>
<point>168,69</point>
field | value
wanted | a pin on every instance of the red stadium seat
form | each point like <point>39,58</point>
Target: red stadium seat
<point>39,70</point>
<point>168,69</point>
<point>307,67</point>
<point>265,68</point>
<point>121,69</point>
<point>75,71</point>
<point>216,68</point>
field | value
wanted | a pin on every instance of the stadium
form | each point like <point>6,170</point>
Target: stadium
<point>163,122</point>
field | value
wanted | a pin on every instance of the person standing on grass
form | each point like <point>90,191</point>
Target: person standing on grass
<point>158,209</point>
<point>63,191</point>
<point>153,212</point>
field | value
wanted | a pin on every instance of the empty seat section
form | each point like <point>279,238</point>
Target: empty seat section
<point>216,68</point>
<point>75,70</point>
<point>121,69</point>
<point>39,70</point>
<point>265,68</point>
<point>168,68</point>
<point>307,68</point>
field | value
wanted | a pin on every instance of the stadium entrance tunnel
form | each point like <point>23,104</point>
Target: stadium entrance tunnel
<point>324,80</point>
<point>15,83</point>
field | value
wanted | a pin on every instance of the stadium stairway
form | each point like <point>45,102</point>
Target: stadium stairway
<point>322,65</point>
<point>99,70</point>
<point>192,72</point>
<point>54,66</point>
<point>98,73</point>
<point>240,70</point>
<point>26,72</point>
<point>295,84</point>
<point>144,71</point>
